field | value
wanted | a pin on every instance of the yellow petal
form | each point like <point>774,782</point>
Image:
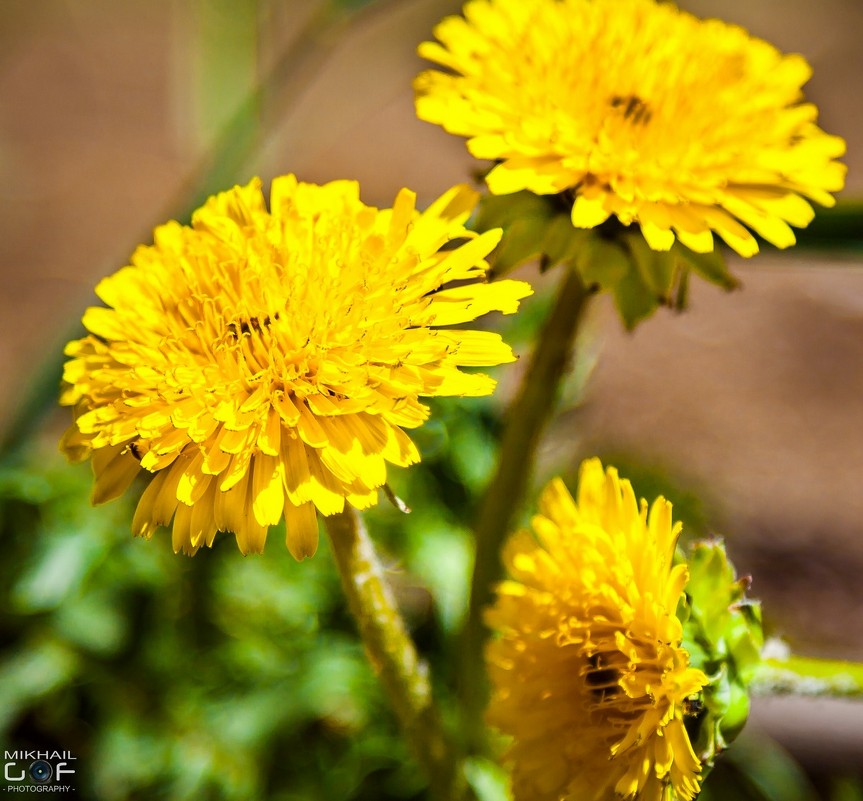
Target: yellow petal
<point>588,212</point>
<point>310,428</point>
<point>115,469</point>
<point>657,238</point>
<point>180,535</point>
<point>268,497</point>
<point>144,522</point>
<point>295,472</point>
<point>193,483</point>
<point>324,488</point>
<point>301,530</point>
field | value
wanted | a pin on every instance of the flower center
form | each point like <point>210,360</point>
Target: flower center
<point>633,109</point>
<point>246,326</point>
<point>603,681</point>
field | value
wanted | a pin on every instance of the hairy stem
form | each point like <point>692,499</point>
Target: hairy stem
<point>404,676</point>
<point>808,676</point>
<point>525,421</point>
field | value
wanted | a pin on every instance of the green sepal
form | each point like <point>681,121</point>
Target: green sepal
<point>607,262</point>
<point>612,257</point>
<point>736,713</point>
<point>710,266</point>
<point>633,295</point>
<point>561,243</point>
<point>728,621</point>
<point>602,262</point>
<point>723,636</point>
<point>666,273</point>
<point>534,226</point>
<point>657,268</point>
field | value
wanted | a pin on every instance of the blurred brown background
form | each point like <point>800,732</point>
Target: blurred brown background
<point>111,114</point>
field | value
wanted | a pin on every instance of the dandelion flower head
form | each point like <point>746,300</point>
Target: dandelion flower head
<point>589,676</point>
<point>264,363</point>
<point>637,110</point>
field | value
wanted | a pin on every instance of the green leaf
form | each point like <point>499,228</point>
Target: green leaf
<point>487,779</point>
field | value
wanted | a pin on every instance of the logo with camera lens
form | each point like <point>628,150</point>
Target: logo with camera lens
<point>38,771</point>
<point>41,771</point>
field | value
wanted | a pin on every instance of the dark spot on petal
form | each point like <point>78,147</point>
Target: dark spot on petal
<point>635,110</point>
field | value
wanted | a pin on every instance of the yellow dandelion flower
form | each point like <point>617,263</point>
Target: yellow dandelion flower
<point>636,110</point>
<point>264,363</point>
<point>588,672</point>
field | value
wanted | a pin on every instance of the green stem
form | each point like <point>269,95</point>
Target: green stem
<point>526,419</point>
<point>798,675</point>
<point>404,676</point>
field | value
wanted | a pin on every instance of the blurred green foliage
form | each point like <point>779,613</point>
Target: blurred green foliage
<point>221,676</point>
<point>837,229</point>
<point>224,677</point>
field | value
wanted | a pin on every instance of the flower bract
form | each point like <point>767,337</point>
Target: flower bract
<point>589,676</point>
<point>263,362</point>
<point>636,110</point>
